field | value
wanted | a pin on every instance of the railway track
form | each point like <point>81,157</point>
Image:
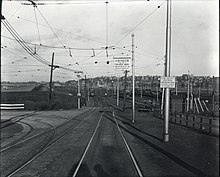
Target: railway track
<point>138,134</point>
<point>49,138</point>
<point>13,120</point>
<point>117,133</point>
<point>102,143</point>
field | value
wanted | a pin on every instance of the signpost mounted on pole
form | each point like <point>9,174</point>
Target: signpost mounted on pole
<point>78,94</point>
<point>167,73</point>
<point>122,63</point>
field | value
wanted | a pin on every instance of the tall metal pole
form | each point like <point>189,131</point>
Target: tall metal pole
<point>168,55</point>
<point>187,100</point>
<point>133,80</point>
<point>78,95</point>
<point>176,88</point>
<point>162,102</point>
<point>85,91</point>
<point>191,93</point>
<point>118,93</point>
<point>51,80</point>
<point>125,88</point>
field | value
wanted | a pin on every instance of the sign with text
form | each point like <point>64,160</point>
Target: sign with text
<point>167,82</point>
<point>122,62</point>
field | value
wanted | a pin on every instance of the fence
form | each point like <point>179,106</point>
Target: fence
<point>11,106</point>
<point>209,125</point>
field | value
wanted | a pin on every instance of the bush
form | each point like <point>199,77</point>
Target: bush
<point>39,100</point>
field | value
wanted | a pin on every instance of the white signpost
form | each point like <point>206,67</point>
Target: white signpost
<point>122,63</point>
<point>167,82</point>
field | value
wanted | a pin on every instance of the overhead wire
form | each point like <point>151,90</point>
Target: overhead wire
<point>70,33</point>
<point>14,13</point>
<point>53,31</point>
<point>18,38</point>
<point>37,25</point>
<point>26,47</point>
<point>142,21</point>
<point>107,31</point>
<point>56,47</point>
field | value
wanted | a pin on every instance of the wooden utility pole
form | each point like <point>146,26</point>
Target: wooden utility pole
<point>125,88</point>
<point>51,79</point>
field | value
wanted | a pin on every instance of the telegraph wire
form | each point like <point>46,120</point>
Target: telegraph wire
<point>25,46</point>
<point>69,33</point>
<point>54,47</point>
<point>22,42</point>
<point>53,31</point>
<point>14,13</point>
<point>82,2</point>
<point>148,16</point>
<point>37,25</point>
<point>9,50</point>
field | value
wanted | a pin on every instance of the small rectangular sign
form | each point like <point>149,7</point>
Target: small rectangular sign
<point>167,82</point>
<point>122,62</point>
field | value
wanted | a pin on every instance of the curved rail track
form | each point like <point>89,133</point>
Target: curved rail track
<point>55,134</point>
<point>110,133</point>
<point>10,121</point>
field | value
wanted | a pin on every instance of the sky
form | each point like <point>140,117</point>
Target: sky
<point>77,32</point>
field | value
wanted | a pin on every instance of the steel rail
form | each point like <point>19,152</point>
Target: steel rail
<point>15,119</point>
<point>87,147</point>
<point>45,148</point>
<point>41,133</point>
<point>19,138</point>
<point>128,148</point>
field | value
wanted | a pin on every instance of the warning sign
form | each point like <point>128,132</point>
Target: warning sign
<point>167,82</point>
<point>122,62</point>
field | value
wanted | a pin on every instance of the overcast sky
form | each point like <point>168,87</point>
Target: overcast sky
<point>89,26</point>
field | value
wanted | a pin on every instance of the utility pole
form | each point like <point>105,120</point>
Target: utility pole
<point>191,93</point>
<point>162,102</point>
<point>187,100</point>
<point>176,87</point>
<point>1,11</point>
<point>168,55</point>
<point>141,88</point>
<point>118,93</point>
<point>85,91</point>
<point>78,94</point>
<point>133,80</point>
<point>157,94</point>
<point>125,88</point>
<point>51,77</point>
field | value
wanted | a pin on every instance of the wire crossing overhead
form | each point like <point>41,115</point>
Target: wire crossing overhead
<point>27,48</point>
<point>23,44</point>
